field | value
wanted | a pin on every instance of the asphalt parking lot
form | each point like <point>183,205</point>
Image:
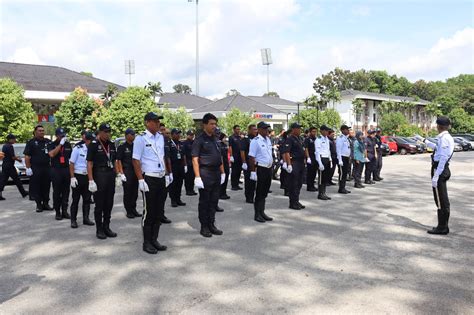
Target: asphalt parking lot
<point>363,253</point>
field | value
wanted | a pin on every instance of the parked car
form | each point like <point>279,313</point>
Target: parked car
<point>457,146</point>
<point>385,149</point>
<point>20,166</point>
<point>420,146</point>
<point>466,146</point>
<point>404,146</point>
<point>392,145</point>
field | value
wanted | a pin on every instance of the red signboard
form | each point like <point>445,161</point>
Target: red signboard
<point>43,118</point>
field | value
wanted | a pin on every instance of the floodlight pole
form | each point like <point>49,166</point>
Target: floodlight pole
<point>268,79</point>
<point>197,47</point>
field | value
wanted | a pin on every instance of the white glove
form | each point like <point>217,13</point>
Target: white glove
<point>231,159</point>
<point>185,169</point>
<point>74,182</point>
<point>142,185</point>
<point>245,166</point>
<point>222,178</point>
<point>29,172</point>
<point>284,166</point>
<point>253,176</point>
<point>118,181</point>
<point>198,183</point>
<point>123,177</point>
<point>341,163</point>
<point>367,160</point>
<point>171,177</point>
<point>308,161</point>
<point>321,167</point>
<point>92,186</point>
<point>289,169</point>
<point>63,141</point>
<point>434,181</point>
<point>168,179</point>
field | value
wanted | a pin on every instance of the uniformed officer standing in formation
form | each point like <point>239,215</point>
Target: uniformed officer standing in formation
<point>153,173</point>
<point>101,172</point>
<point>249,185</point>
<point>440,173</point>
<point>311,165</point>
<point>370,165</point>
<point>323,158</point>
<point>225,159</point>
<point>294,157</point>
<point>378,164</point>
<point>127,174</point>
<point>209,172</point>
<point>332,148</point>
<point>343,148</point>
<point>79,180</point>
<point>179,167</point>
<point>359,159</point>
<point>283,172</point>
<point>235,158</point>
<point>60,151</point>
<point>37,161</point>
<point>8,167</point>
<point>260,166</point>
<point>189,177</point>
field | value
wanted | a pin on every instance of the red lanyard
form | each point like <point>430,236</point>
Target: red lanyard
<point>106,150</point>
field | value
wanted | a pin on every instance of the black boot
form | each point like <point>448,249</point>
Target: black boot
<point>214,230</point>
<point>65,214</point>
<point>99,227</point>
<point>322,193</point>
<point>85,217</point>
<point>205,231</point>
<point>47,207</point>
<point>1,197</point>
<point>147,237</point>
<point>135,213</point>
<point>180,202</point>
<point>219,209</point>
<point>129,214</point>
<point>165,220</point>
<point>442,228</point>
<point>74,218</point>
<point>39,207</point>
<point>24,193</point>
<point>108,232</point>
<point>58,215</point>
<point>359,185</point>
<point>154,239</point>
<point>266,217</point>
<point>258,217</point>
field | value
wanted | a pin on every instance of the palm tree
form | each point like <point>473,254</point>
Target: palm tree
<point>109,94</point>
<point>357,108</point>
<point>155,89</point>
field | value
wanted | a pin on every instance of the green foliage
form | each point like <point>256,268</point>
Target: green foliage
<point>236,117</point>
<point>182,89</point>
<point>16,114</point>
<point>461,121</point>
<point>79,112</point>
<point>177,119</point>
<point>155,89</point>
<point>271,94</point>
<point>409,130</point>
<point>391,122</point>
<point>109,94</point>
<point>312,117</point>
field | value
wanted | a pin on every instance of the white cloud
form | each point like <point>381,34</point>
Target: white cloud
<point>26,55</point>
<point>361,10</point>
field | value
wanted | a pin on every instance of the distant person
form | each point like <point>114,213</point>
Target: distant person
<point>8,167</point>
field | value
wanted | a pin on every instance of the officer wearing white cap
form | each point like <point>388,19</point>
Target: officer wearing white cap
<point>323,157</point>
<point>154,175</point>
<point>260,165</point>
<point>440,173</point>
<point>343,149</point>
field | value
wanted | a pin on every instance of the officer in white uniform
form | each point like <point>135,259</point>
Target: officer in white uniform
<point>440,173</point>
<point>323,157</point>
<point>343,149</point>
<point>261,162</point>
<point>153,173</point>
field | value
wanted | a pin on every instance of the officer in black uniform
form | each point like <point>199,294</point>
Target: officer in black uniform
<point>225,159</point>
<point>235,158</point>
<point>210,174</point>
<point>60,151</point>
<point>8,167</point>
<point>283,173</point>
<point>38,167</point>
<point>178,167</point>
<point>311,164</point>
<point>294,156</point>
<point>370,166</point>
<point>332,148</point>
<point>249,185</point>
<point>127,174</point>
<point>101,171</point>
<point>189,177</point>
<point>378,165</point>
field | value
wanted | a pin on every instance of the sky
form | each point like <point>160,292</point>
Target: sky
<point>430,40</point>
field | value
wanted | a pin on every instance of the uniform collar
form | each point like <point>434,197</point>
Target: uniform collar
<point>442,134</point>
<point>150,135</point>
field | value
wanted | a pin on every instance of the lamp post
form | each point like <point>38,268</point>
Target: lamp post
<point>267,61</point>
<point>197,45</point>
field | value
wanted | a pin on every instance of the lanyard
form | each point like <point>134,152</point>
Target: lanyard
<point>107,151</point>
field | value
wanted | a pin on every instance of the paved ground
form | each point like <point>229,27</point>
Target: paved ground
<point>367,252</point>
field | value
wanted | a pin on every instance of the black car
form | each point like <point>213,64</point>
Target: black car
<point>466,146</point>
<point>385,149</point>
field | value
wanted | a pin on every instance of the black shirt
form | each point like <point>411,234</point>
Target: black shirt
<point>61,159</point>
<point>332,148</point>
<point>309,144</point>
<point>9,152</point>
<point>103,158</point>
<point>235,144</point>
<point>176,152</point>
<point>37,149</point>
<point>187,148</point>
<point>378,142</point>
<point>370,147</point>
<point>245,146</point>
<point>224,151</point>
<point>124,155</point>
<point>207,149</point>
<point>294,146</point>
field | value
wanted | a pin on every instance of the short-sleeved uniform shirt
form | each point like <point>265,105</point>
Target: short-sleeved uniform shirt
<point>60,160</point>
<point>245,146</point>
<point>102,154</point>
<point>309,144</point>
<point>207,149</point>
<point>378,143</point>
<point>37,149</point>
<point>235,144</point>
<point>176,153</point>
<point>124,155</point>
<point>9,152</point>
<point>188,147</point>
<point>294,146</point>
<point>370,147</point>
<point>79,158</point>
<point>224,152</point>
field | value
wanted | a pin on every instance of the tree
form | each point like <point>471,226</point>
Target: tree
<point>271,94</point>
<point>79,112</point>
<point>232,92</point>
<point>391,122</point>
<point>177,119</point>
<point>331,118</point>
<point>358,108</point>
<point>128,110</point>
<point>155,89</point>
<point>182,89</point>
<point>86,73</point>
<point>312,117</point>
<point>109,94</point>
<point>16,113</point>
<point>236,117</point>
<point>461,121</point>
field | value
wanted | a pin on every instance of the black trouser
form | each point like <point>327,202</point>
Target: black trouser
<point>295,181</point>
<point>276,166</point>
<point>440,194</point>
<point>343,171</point>
<point>283,179</point>
<point>81,190</point>
<point>332,169</point>
<point>249,186</point>
<point>40,183</point>
<point>154,209</point>
<point>7,172</point>
<point>358,168</point>
<point>209,195</point>
<point>311,173</point>
<point>235,174</point>
<point>104,196</point>
<point>370,168</point>
<point>323,176</point>
<point>130,190</point>
<point>378,167</point>
<point>177,184</point>
<point>350,171</point>
<point>224,185</point>
<point>61,186</point>
<point>264,181</point>
<point>189,179</point>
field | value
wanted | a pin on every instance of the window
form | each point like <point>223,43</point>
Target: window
<point>374,117</point>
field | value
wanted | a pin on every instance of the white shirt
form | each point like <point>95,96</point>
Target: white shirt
<point>343,147</point>
<point>321,148</point>
<point>149,149</point>
<point>78,158</point>
<point>443,150</point>
<point>261,150</point>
